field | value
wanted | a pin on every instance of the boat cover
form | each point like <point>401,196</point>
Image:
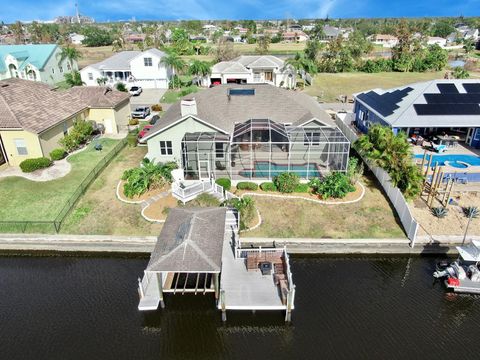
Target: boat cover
<point>470,252</point>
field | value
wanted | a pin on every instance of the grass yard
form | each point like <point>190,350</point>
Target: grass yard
<point>278,48</point>
<point>172,96</point>
<point>100,212</point>
<point>372,217</point>
<point>92,55</point>
<point>329,86</point>
<point>25,200</point>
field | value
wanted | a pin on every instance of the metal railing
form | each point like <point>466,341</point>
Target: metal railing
<point>43,226</point>
<point>242,253</point>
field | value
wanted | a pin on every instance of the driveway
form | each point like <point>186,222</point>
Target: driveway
<point>148,97</point>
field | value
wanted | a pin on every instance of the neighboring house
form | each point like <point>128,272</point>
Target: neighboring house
<point>295,36</point>
<point>332,32</point>
<point>209,28</point>
<point>434,40</point>
<point>248,132</point>
<point>133,68</point>
<point>251,69</point>
<point>76,39</point>
<point>40,62</point>
<point>424,108</point>
<point>386,40</point>
<point>463,32</point>
<point>241,30</point>
<point>34,117</point>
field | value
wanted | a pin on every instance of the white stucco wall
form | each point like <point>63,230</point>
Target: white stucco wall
<point>149,77</point>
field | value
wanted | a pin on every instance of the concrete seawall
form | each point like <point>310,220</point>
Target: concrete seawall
<point>145,244</point>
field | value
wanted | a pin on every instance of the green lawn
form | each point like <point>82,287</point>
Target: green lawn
<point>25,200</point>
<point>329,86</point>
<point>172,96</point>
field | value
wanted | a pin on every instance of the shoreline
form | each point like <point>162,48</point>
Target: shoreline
<point>123,245</point>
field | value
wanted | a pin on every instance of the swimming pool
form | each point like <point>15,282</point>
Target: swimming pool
<point>262,168</point>
<point>454,160</point>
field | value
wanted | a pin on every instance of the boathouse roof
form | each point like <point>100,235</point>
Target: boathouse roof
<point>190,241</point>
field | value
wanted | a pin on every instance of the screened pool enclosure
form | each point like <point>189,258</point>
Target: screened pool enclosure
<point>262,149</point>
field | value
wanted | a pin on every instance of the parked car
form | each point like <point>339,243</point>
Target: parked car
<point>135,90</point>
<point>141,112</point>
<point>154,119</point>
<point>144,131</point>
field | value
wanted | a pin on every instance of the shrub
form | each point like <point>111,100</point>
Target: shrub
<point>157,107</point>
<point>225,183</point>
<point>268,186</point>
<point>247,185</point>
<point>132,139</point>
<point>336,185</point>
<point>246,207</point>
<point>80,134</point>
<point>355,169</point>
<point>286,182</point>
<point>302,188</point>
<point>133,122</point>
<point>30,165</point>
<point>121,87</point>
<point>439,212</point>
<point>57,154</point>
<point>204,200</point>
<point>148,176</point>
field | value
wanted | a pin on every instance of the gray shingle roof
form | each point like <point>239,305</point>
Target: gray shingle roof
<point>252,61</point>
<point>269,102</point>
<point>119,61</point>
<point>36,107</point>
<point>230,67</point>
<point>191,241</point>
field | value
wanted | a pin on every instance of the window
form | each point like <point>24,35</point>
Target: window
<point>166,148</point>
<point>69,67</point>
<point>90,76</point>
<point>65,129</point>
<point>21,146</point>
<point>313,136</point>
<point>53,71</point>
<point>219,150</point>
<point>361,114</point>
<point>147,62</point>
<point>61,69</point>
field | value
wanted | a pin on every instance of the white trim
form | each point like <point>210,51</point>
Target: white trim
<point>179,121</point>
<point>315,119</point>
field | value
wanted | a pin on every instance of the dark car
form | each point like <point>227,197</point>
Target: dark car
<point>154,119</point>
<point>144,131</point>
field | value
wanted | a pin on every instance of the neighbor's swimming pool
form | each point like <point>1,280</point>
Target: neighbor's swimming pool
<point>454,160</point>
<point>262,169</point>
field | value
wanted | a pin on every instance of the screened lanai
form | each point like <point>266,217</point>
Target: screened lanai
<point>260,149</point>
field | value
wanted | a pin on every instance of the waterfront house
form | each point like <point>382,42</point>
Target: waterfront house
<point>294,36</point>
<point>251,131</point>
<point>386,40</point>
<point>34,117</point>
<point>253,69</point>
<point>451,106</point>
<point>76,39</point>
<point>35,62</point>
<point>132,68</point>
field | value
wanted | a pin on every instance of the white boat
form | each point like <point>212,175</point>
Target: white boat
<point>463,275</point>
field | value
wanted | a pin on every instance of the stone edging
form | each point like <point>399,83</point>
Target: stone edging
<point>312,200</point>
<point>123,200</point>
<point>260,221</point>
<point>147,218</point>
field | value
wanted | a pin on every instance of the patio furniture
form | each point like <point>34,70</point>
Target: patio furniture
<point>266,268</point>
<point>439,148</point>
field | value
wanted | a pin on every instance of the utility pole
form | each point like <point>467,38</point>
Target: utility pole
<point>77,13</point>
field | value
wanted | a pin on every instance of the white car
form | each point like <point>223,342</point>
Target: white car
<point>135,90</point>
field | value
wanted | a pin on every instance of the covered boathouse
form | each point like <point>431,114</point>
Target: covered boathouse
<point>199,251</point>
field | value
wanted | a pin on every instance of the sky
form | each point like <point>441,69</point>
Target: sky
<point>112,10</point>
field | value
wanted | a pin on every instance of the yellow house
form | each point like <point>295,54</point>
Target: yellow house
<point>34,117</point>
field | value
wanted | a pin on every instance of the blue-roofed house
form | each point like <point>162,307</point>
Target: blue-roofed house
<point>425,108</point>
<point>35,62</point>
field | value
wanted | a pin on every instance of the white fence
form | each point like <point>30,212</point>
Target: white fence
<point>409,224</point>
<point>190,192</point>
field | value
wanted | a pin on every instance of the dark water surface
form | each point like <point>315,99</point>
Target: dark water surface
<point>346,308</point>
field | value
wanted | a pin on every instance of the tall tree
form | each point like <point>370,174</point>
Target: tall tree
<point>18,32</point>
<point>224,51</point>
<point>174,62</point>
<point>199,69</point>
<point>74,78</point>
<point>302,64</point>
<point>71,54</point>
<point>263,43</point>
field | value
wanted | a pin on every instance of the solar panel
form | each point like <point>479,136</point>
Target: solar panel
<point>470,98</point>
<point>447,109</point>
<point>447,88</point>
<point>241,91</point>
<point>386,103</point>
<point>471,88</point>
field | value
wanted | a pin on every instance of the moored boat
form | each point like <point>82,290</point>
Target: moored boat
<point>462,275</point>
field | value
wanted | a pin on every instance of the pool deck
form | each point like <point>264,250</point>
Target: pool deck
<point>461,149</point>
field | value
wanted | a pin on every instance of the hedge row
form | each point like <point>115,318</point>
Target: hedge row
<point>57,154</point>
<point>246,185</point>
<point>225,183</point>
<point>30,165</point>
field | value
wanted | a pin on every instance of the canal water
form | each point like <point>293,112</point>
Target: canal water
<point>347,308</point>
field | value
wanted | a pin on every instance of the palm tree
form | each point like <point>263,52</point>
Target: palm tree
<point>71,54</point>
<point>470,212</point>
<point>174,62</point>
<point>199,69</point>
<point>74,78</point>
<point>302,64</point>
